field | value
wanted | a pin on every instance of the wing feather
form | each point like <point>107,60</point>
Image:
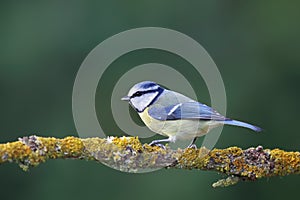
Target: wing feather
<point>187,110</point>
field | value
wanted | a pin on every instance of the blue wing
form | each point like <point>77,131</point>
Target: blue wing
<point>194,110</point>
<point>187,110</point>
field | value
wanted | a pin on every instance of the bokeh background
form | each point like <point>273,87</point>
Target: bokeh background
<point>255,44</point>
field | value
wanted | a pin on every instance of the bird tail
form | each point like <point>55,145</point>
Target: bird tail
<point>243,124</point>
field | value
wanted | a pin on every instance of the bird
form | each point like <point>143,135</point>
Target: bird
<point>175,115</point>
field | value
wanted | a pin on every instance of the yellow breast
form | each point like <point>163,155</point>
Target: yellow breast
<point>145,117</point>
<point>153,124</point>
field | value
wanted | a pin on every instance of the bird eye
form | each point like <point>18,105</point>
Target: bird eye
<point>137,94</point>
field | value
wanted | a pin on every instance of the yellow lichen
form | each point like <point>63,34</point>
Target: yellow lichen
<point>128,154</point>
<point>71,145</point>
<point>194,158</point>
<point>285,162</point>
<point>124,142</point>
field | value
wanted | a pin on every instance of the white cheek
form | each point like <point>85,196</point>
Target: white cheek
<point>141,102</point>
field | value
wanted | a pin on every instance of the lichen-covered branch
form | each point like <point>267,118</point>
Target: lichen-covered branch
<point>128,154</point>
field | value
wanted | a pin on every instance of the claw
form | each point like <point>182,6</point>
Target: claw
<point>193,146</point>
<point>154,142</point>
<point>160,145</point>
<point>157,143</point>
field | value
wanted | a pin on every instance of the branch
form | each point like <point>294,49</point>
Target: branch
<point>128,154</point>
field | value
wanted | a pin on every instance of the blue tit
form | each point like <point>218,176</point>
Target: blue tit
<point>174,115</point>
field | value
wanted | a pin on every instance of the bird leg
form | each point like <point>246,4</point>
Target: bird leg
<point>193,145</point>
<point>157,142</point>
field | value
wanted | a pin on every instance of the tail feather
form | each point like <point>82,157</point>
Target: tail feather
<point>243,124</point>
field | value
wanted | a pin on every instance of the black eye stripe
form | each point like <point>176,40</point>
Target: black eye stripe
<point>158,92</point>
<point>140,93</point>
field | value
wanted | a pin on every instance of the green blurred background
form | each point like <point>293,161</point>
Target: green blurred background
<point>256,46</point>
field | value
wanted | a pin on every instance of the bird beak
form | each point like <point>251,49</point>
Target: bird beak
<point>126,98</point>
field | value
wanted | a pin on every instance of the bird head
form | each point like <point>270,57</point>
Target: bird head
<point>143,94</point>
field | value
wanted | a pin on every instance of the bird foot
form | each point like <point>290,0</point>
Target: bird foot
<point>157,143</point>
<point>192,146</point>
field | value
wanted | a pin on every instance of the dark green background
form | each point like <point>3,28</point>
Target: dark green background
<point>256,46</point>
